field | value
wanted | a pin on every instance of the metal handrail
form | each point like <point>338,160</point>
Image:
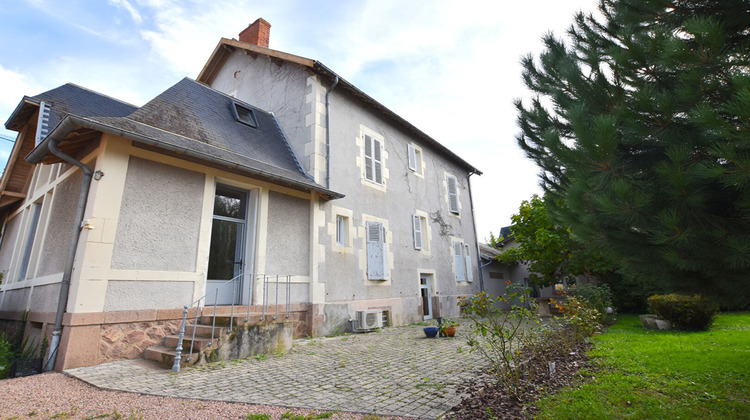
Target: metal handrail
<point>266,280</point>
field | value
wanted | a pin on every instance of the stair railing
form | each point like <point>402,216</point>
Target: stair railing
<point>267,280</point>
<point>197,304</point>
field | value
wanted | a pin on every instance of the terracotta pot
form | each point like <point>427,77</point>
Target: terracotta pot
<point>450,331</point>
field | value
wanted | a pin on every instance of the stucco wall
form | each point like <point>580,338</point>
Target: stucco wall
<point>288,245</point>
<point>45,298</point>
<point>132,295</point>
<point>60,226</point>
<point>159,222</point>
<point>16,299</point>
<point>9,240</point>
<point>403,194</point>
<point>280,89</point>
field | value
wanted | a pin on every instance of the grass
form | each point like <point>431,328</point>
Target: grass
<point>663,374</point>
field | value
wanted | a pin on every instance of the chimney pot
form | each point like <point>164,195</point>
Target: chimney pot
<point>257,33</point>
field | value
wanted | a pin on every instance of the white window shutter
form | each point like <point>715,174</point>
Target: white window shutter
<point>452,194</point>
<point>458,258</point>
<point>377,161</point>
<point>376,257</point>
<point>418,234</point>
<point>469,271</point>
<point>412,158</point>
<point>368,158</point>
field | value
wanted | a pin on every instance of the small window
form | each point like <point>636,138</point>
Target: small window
<point>245,115</point>
<point>496,276</point>
<point>341,230</point>
<point>415,159</point>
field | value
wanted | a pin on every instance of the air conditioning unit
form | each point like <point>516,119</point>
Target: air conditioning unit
<point>368,320</point>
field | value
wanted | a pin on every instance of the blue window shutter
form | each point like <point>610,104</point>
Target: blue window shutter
<point>458,258</point>
<point>377,264</point>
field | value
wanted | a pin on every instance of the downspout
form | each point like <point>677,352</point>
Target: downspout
<point>328,133</point>
<point>68,270</point>
<point>476,238</point>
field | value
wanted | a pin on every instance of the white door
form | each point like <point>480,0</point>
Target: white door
<point>226,258</point>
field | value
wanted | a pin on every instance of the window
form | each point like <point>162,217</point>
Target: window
<point>462,261</point>
<point>419,223</point>
<point>245,115</point>
<point>452,194</point>
<point>415,159</point>
<point>342,225</point>
<point>377,264</point>
<point>373,160</point>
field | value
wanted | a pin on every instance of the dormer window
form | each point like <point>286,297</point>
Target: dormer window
<point>245,115</point>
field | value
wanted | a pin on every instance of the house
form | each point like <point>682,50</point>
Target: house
<point>115,217</point>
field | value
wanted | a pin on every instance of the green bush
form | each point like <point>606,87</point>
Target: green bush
<point>600,297</point>
<point>685,312</point>
<point>6,356</point>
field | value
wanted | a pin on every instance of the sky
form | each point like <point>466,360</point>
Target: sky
<point>451,68</point>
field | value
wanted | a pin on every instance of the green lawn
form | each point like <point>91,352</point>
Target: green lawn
<point>650,374</point>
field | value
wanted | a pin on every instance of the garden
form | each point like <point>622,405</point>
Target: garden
<point>590,363</point>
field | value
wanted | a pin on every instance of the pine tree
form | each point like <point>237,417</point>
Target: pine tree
<point>641,126</point>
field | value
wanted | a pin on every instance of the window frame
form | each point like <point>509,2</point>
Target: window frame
<point>341,230</point>
<point>237,107</point>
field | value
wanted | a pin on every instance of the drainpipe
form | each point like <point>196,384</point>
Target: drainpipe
<point>476,240</point>
<point>328,133</point>
<point>72,246</point>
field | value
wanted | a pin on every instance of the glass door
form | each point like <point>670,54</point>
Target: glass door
<point>227,252</point>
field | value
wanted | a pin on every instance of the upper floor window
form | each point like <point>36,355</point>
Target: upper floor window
<point>415,159</point>
<point>373,159</point>
<point>452,194</point>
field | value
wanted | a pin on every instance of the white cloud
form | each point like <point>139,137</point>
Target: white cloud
<point>125,4</point>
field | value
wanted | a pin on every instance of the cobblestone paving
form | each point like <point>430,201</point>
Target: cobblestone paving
<point>396,372</point>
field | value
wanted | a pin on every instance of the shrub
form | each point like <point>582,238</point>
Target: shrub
<point>685,312</point>
<point>600,298</point>
<point>6,356</point>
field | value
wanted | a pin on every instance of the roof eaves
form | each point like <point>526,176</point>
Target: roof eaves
<point>14,125</point>
<point>71,122</point>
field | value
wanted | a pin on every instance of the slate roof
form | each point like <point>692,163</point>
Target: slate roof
<point>196,120</point>
<point>69,99</point>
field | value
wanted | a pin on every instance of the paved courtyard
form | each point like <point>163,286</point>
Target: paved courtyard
<point>395,372</point>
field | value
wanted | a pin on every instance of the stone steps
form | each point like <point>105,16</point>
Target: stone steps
<point>164,356</point>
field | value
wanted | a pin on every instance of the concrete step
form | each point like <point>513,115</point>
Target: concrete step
<point>204,330</point>
<point>199,344</point>
<point>164,356</point>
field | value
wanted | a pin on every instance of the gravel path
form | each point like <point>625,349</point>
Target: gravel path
<point>54,395</point>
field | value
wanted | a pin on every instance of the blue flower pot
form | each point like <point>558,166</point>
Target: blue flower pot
<point>430,332</point>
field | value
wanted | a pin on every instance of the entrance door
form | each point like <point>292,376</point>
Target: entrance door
<point>425,293</point>
<point>227,253</point>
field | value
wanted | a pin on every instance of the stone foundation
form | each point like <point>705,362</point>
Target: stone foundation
<point>129,341</point>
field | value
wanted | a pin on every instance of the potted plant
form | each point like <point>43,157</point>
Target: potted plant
<point>448,327</point>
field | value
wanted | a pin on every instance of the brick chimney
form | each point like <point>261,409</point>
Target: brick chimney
<point>257,33</point>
